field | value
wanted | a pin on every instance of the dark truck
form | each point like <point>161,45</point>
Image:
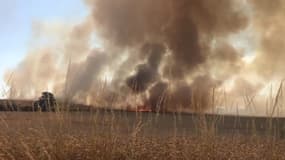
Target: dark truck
<point>46,103</point>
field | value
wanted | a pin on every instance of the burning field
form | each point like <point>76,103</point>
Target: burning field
<point>155,79</point>
<point>166,55</point>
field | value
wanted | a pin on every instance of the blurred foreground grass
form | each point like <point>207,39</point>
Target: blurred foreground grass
<point>121,136</point>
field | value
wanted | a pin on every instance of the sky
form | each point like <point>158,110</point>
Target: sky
<point>16,22</point>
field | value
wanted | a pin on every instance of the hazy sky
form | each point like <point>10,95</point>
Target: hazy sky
<point>17,18</point>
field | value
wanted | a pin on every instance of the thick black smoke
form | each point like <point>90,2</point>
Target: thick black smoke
<point>169,53</point>
<point>147,73</point>
<point>158,96</point>
<point>186,29</point>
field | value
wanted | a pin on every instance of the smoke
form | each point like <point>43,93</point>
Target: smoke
<point>188,31</point>
<point>86,73</point>
<point>146,73</point>
<point>187,28</point>
<point>268,23</point>
<point>28,77</point>
<point>165,54</point>
<point>158,96</point>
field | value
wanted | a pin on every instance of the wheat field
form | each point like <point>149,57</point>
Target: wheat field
<point>124,136</point>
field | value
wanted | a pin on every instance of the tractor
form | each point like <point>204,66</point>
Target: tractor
<point>46,103</point>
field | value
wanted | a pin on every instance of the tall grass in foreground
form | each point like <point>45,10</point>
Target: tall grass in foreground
<point>122,136</point>
<point>131,136</point>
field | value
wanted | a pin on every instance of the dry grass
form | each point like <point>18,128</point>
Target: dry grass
<point>62,136</point>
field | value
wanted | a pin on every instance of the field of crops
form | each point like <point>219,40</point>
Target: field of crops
<point>130,135</point>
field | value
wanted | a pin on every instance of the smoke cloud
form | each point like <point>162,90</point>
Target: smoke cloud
<point>164,54</point>
<point>146,73</point>
<point>269,26</point>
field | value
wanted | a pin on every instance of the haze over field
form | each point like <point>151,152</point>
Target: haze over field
<point>164,53</point>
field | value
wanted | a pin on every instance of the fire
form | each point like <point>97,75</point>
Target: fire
<point>143,108</point>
